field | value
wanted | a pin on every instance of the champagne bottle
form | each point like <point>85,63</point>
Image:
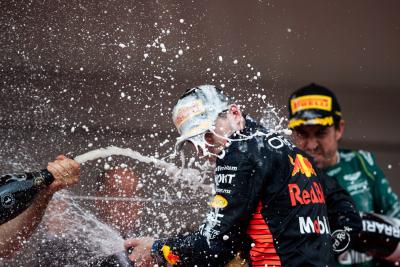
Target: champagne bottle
<point>17,192</point>
<point>380,236</point>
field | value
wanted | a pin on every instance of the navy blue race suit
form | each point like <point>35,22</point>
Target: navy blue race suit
<point>269,201</point>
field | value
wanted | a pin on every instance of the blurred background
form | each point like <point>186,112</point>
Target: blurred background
<point>80,75</point>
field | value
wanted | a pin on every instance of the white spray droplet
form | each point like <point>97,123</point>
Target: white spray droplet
<point>163,49</point>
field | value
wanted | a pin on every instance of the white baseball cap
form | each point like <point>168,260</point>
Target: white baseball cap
<point>196,112</point>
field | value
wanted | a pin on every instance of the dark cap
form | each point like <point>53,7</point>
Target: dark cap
<point>313,105</point>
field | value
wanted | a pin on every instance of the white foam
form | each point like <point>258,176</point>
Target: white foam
<point>193,176</point>
<point>83,225</point>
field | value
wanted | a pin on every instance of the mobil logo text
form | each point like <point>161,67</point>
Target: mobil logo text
<point>319,225</point>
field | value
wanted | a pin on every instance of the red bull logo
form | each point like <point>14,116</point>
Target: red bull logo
<point>170,257</point>
<point>305,197</point>
<point>302,165</point>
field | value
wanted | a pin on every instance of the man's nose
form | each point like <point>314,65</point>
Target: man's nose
<point>311,144</point>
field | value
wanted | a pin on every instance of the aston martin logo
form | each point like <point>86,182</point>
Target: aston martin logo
<point>352,176</point>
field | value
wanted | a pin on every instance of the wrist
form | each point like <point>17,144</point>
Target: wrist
<point>156,252</point>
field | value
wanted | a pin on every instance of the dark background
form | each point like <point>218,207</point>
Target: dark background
<point>79,75</point>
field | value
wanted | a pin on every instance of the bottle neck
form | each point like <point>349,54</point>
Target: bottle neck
<point>43,177</point>
<point>39,178</point>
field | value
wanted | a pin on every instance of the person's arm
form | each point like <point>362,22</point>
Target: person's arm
<point>223,230</point>
<point>385,200</point>
<point>16,231</point>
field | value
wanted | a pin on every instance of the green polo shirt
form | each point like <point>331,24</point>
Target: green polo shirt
<point>358,173</point>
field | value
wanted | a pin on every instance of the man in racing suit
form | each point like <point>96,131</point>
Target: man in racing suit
<point>316,119</point>
<point>269,198</point>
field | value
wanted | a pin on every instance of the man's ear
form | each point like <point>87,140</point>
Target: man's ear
<point>237,116</point>
<point>234,109</point>
<point>340,130</point>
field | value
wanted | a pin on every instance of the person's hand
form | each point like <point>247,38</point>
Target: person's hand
<point>65,171</point>
<point>141,254</point>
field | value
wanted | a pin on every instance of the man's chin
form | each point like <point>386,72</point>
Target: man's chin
<point>318,161</point>
<point>322,165</point>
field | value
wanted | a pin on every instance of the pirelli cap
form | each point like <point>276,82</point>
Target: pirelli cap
<point>313,105</point>
<point>196,112</point>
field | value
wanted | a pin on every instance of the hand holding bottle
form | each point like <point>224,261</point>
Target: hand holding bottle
<point>65,171</point>
<point>18,191</point>
<point>24,198</point>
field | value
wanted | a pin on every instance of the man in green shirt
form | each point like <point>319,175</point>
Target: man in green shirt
<point>316,120</point>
